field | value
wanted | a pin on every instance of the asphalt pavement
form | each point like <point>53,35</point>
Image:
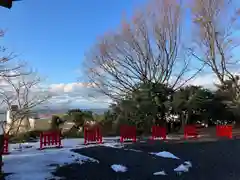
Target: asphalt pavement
<point>218,160</point>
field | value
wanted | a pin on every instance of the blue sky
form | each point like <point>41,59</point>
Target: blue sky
<point>53,36</point>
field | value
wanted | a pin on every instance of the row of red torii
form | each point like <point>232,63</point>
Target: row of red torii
<point>94,135</point>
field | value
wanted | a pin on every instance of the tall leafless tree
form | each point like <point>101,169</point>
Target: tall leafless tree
<point>8,69</point>
<point>26,93</point>
<point>216,28</point>
<point>148,48</point>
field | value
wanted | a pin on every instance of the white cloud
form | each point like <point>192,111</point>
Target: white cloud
<point>205,80</point>
<point>81,95</point>
<point>84,95</point>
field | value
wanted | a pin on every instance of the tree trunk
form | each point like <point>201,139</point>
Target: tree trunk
<point>184,120</point>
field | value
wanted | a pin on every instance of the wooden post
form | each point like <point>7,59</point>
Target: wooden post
<point>41,141</point>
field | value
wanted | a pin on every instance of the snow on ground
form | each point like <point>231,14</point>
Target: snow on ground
<point>111,138</point>
<point>119,168</point>
<point>25,161</point>
<point>66,143</point>
<point>183,167</point>
<point>113,145</point>
<point>169,137</point>
<point>15,148</point>
<point>135,150</point>
<point>180,169</point>
<point>160,173</point>
<point>39,165</point>
<point>188,164</point>
<point>165,154</point>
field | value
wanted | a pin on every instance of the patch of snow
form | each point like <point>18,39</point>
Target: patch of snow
<point>39,165</point>
<point>66,143</point>
<point>173,138</point>
<point>169,137</point>
<point>181,168</point>
<point>25,161</point>
<point>119,168</point>
<point>112,138</point>
<point>73,142</point>
<point>160,173</point>
<point>77,142</point>
<point>166,154</point>
<point>188,164</point>
<point>193,136</point>
<point>113,145</point>
<point>22,146</point>
<point>203,135</point>
<point>158,138</point>
<point>135,150</point>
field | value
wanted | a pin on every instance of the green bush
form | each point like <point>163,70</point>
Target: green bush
<point>71,111</point>
<point>56,122</point>
<point>108,133</point>
<point>34,134</point>
<point>107,128</point>
<point>20,138</point>
<point>77,118</point>
<point>73,133</point>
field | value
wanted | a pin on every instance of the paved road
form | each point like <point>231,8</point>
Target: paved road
<point>211,160</point>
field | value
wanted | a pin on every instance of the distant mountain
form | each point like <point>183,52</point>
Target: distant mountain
<point>61,111</point>
<point>98,111</point>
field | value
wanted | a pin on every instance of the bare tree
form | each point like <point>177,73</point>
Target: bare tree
<point>26,93</point>
<point>216,24</point>
<point>8,69</point>
<point>148,48</point>
<point>8,66</point>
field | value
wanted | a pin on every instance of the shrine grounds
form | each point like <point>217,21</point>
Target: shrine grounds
<point>175,158</point>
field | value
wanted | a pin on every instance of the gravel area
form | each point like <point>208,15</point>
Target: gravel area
<point>210,160</point>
